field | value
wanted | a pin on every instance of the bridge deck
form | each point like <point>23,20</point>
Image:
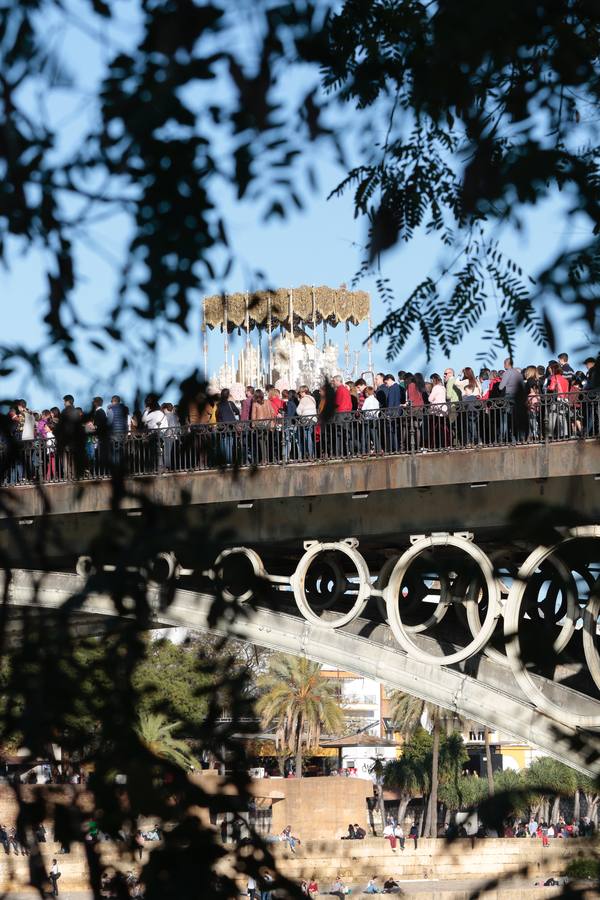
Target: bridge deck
<point>375,498</point>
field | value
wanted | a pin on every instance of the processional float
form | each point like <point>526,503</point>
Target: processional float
<point>291,309</point>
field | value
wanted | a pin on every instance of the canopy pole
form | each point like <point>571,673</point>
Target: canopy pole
<point>346,349</point>
<point>292,348</point>
<point>246,355</point>
<point>204,340</point>
<point>370,343</point>
<point>226,333</point>
<point>314,318</point>
<point>269,348</point>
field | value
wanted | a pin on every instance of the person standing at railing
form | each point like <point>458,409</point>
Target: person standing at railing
<point>370,411</point>
<point>100,432</point>
<point>592,408</point>
<point>353,394</point>
<point>170,436</point>
<point>117,417</point>
<point>566,369</point>
<point>558,423</point>
<point>576,412</point>
<point>438,414</point>
<point>341,425</point>
<point>381,390</point>
<point>245,416</point>
<point>154,420</point>
<point>360,385</point>
<point>484,381</point>
<point>70,438</point>
<point>534,409</point>
<point>246,404</point>
<point>453,395</point>
<point>262,416</point>
<point>513,386</point>
<point>470,388</point>
<point>44,433</point>
<point>306,412</point>
<point>290,430</point>
<point>23,432</point>
<point>395,400</point>
<point>227,415</point>
<point>416,399</point>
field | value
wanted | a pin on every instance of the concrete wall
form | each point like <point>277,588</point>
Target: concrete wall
<point>320,808</point>
<point>14,871</point>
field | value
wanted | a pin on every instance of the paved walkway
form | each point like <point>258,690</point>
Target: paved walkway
<point>425,885</point>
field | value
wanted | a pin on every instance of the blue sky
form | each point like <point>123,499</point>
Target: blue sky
<point>319,246</point>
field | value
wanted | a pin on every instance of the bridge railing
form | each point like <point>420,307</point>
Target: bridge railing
<point>286,441</point>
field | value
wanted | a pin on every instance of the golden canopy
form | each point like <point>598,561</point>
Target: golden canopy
<point>309,304</point>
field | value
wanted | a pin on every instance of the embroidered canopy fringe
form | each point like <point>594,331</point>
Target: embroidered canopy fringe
<point>251,310</point>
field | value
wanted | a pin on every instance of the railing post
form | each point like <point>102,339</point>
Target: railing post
<point>546,418</point>
<point>412,431</point>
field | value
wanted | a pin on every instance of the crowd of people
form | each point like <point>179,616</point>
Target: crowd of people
<point>583,827</point>
<point>272,424</point>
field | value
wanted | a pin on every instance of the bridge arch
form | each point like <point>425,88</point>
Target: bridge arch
<point>483,690</point>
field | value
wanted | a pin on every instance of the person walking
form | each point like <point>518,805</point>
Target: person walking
<point>54,876</point>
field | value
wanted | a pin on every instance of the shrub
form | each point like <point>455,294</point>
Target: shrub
<point>584,868</point>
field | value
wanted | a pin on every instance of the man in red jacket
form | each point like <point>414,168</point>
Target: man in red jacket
<point>343,400</point>
<point>343,408</point>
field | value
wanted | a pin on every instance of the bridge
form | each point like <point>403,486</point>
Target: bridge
<point>409,567</point>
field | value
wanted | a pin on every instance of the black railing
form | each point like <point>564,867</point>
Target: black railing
<point>285,441</point>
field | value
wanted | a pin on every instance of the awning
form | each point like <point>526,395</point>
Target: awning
<point>359,739</point>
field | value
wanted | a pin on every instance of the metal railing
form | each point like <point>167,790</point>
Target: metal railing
<point>287,441</point>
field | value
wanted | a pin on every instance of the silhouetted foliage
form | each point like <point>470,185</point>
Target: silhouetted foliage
<point>485,111</point>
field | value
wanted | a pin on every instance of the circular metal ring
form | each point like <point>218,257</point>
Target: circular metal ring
<point>439,612</point>
<point>297,582</point>
<point>311,589</point>
<point>84,567</point>
<point>256,563</point>
<point>482,632</point>
<point>511,630</point>
<point>167,561</point>
<point>590,625</point>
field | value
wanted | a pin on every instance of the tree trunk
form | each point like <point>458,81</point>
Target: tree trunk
<point>425,816</point>
<point>402,807</point>
<point>381,807</point>
<point>576,806</point>
<point>488,761</point>
<point>434,779</point>
<point>589,805</point>
<point>555,809</point>
<point>299,749</point>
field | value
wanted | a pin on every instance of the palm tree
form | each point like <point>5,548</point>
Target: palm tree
<point>299,702</point>
<point>407,713</point>
<point>156,732</point>
<point>409,776</point>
